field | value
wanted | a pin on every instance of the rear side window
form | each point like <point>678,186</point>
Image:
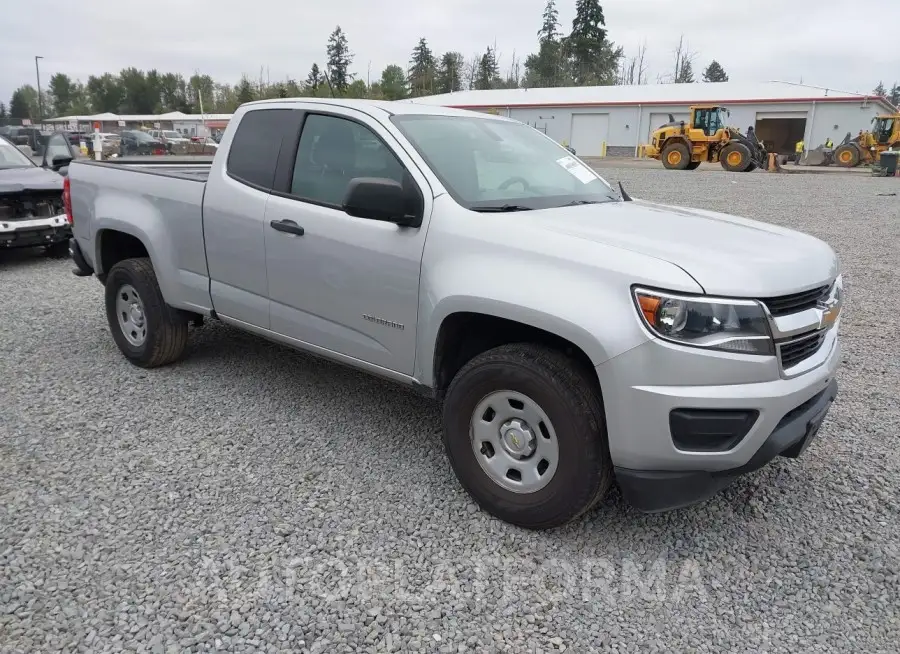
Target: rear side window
<point>254,148</point>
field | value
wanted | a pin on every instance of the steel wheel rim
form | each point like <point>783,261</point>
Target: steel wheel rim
<point>514,442</point>
<point>131,316</point>
<point>734,158</point>
<point>675,157</point>
<point>845,156</point>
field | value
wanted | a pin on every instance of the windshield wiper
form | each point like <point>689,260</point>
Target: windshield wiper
<point>501,208</point>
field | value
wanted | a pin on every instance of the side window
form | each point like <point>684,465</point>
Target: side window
<point>333,151</point>
<point>254,148</point>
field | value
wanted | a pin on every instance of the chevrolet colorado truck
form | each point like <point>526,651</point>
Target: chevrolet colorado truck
<point>574,336</point>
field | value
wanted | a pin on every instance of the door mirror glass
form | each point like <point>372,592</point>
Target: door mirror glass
<point>58,152</point>
<point>379,198</point>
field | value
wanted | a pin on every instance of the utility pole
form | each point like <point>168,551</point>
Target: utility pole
<point>37,70</point>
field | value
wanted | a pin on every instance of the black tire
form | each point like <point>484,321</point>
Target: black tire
<point>735,158</point>
<point>58,250</point>
<point>683,158</point>
<point>166,329</point>
<point>694,165</point>
<point>566,394</point>
<point>847,155</point>
<point>751,167</point>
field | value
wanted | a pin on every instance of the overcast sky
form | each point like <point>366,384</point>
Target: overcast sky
<point>755,40</point>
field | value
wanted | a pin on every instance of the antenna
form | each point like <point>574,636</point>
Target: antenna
<point>625,196</point>
<point>330,87</point>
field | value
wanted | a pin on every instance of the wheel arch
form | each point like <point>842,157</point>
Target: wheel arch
<point>463,335</point>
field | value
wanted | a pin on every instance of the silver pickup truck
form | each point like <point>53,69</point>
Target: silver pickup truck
<point>574,336</point>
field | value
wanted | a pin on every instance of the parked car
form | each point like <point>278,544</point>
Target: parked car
<point>31,198</point>
<point>574,337</point>
<point>136,142</point>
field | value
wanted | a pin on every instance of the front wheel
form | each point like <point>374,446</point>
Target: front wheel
<point>735,158</point>
<point>847,156</point>
<point>147,330</point>
<point>525,433</point>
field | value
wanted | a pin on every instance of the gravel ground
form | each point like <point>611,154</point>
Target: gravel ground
<point>256,499</point>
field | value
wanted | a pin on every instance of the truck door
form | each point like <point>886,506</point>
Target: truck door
<point>342,284</point>
<point>234,208</point>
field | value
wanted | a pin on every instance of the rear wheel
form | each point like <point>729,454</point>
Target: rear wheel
<point>148,331</point>
<point>847,156</point>
<point>525,433</point>
<point>735,157</point>
<point>676,156</point>
<point>694,165</point>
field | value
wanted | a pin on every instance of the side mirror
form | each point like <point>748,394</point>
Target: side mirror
<point>381,199</point>
<point>60,161</point>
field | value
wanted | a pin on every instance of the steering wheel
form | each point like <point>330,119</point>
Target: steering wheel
<point>514,180</point>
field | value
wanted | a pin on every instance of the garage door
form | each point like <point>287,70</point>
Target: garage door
<point>658,120</point>
<point>589,131</point>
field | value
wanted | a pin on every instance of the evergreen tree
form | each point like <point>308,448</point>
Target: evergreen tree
<point>4,115</point>
<point>339,60</point>
<point>24,103</point>
<point>105,93</point>
<point>686,73</point>
<point>545,68</point>
<point>314,79</point>
<point>422,70</point>
<point>894,96</point>
<point>488,74</point>
<point>549,31</point>
<point>880,90</point>
<point>244,91</point>
<point>714,72</point>
<point>450,73</point>
<point>393,83</point>
<point>62,90</point>
<point>592,57</point>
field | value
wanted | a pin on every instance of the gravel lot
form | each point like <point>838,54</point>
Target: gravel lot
<point>256,499</point>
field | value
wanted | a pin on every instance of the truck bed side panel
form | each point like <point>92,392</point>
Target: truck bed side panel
<point>164,213</point>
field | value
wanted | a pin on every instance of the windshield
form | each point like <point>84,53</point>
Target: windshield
<point>12,157</point>
<point>488,164</point>
<point>142,136</point>
<point>171,134</point>
<point>883,126</point>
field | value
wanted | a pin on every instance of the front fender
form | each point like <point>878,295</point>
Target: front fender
<point>591,308</point>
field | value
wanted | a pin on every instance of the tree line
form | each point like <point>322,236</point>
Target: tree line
<point>583,56</point>
<point>893,95</point>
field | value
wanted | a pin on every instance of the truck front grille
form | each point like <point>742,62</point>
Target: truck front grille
<point>795,302</point>
<point>799,348</point>
<point>28,206</point>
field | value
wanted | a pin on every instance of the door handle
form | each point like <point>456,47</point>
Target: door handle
<point>286,226</point>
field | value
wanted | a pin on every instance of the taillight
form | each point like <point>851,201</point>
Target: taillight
<point>67,201</point>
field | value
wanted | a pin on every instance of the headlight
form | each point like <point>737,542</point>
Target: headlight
<point>716,324</point>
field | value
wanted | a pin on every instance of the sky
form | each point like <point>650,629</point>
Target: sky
<point>755,40</point>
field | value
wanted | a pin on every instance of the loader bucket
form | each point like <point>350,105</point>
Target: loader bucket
<point>814,157</point>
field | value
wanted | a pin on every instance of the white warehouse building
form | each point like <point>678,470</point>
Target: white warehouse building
<point>618,119</point>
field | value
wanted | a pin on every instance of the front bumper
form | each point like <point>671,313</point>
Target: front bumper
<point>31,233</point>
<point>655,473</point>
<point>654,491</point>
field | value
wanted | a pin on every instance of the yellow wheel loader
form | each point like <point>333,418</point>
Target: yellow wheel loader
<point>684,145</point>
<point>866,147</point>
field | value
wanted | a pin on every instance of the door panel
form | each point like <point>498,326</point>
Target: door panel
<point>589,131</point>
<point>349,285</point>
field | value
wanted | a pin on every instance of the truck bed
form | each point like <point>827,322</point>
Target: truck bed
<point>192,168</point>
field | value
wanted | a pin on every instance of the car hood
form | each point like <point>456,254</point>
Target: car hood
<point>725,254</point>
<point>18,180</point>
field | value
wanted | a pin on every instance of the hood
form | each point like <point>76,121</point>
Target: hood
<point>18,180</point>
<point>725,254</point>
